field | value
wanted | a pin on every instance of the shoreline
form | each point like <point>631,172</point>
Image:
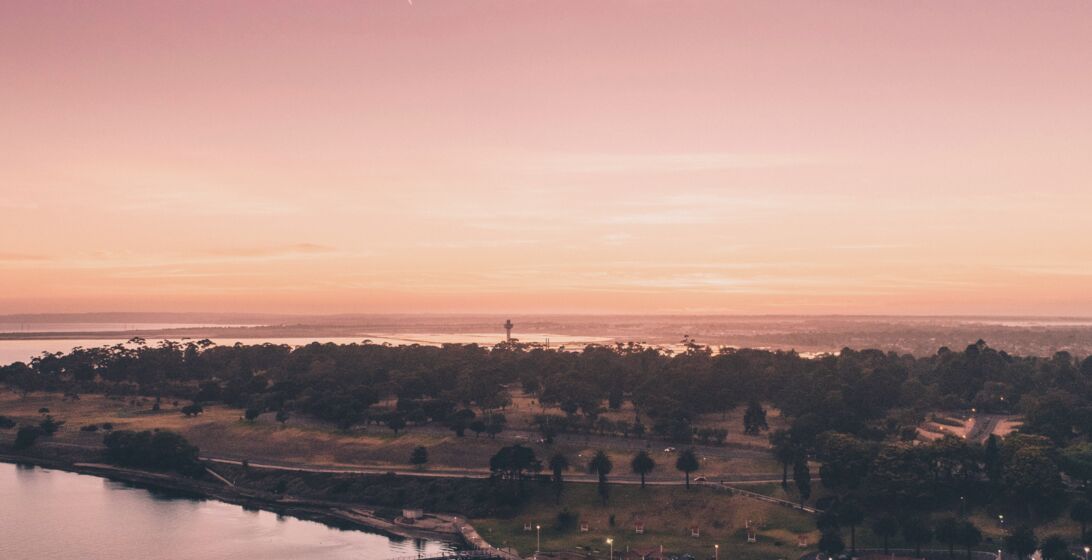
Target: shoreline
<point>327,513</point>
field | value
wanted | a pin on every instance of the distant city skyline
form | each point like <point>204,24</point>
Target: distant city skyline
<point>562,157</point>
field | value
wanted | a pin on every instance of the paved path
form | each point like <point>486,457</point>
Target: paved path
<point>984,425</point>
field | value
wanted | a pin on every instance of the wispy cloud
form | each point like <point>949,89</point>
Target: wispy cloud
<point>22,258</point>
<point>297,249</point>
<point>204,201</point>
<point>660,163</point>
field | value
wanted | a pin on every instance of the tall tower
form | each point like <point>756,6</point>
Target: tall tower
<point>508,329</point>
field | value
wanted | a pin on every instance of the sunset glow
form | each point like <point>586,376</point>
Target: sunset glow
<point>633,157</point>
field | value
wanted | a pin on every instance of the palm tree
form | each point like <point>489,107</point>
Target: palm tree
<point>558,464</point>
<point>642,464</point>
<point>786,452</point>
<point>687,463</point>
<point>601,466</point>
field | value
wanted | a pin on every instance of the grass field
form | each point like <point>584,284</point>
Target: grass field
<point>668,514</point>
<point>221,431</point>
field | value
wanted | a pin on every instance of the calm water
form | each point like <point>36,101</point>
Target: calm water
<point>65,516</point>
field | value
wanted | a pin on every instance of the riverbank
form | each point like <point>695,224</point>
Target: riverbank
<point>442,528</point>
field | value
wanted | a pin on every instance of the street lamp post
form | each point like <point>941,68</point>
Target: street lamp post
<point>538,540</point>
<point>716,552</point>
<point>611,543</point>
<point>1086,551</point>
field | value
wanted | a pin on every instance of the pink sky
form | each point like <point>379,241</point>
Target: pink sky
<point>644,156</point>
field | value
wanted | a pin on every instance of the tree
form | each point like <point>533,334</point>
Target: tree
<point>1076,461</point>
<point>917,533</point>
<point>459,421</point>
<point>642,464</point>
<point>786,452</point>
<point>1032,479</point>
<point>251,414</point>
<point>419,457</point>
<point>885,526</point>
<point>192,409</point>
<point>801,475</point>
<point>601,466</point>
<point>831,543</point>
<point>968,537</point>
<point>1081,512</point>
<point>992,458</point>
<point>161,450</point>
<point>845,459</point>
<point>1021,542</point>
<point>478,426</point>
<point>947,532</point>
<point>558,464</point>
<point>850,513</point>
<point>50,426</point>
<point>282,416</point>
<point>396,422</point>
<point>687,463</point>
<point>1055,547</point>
<point>496,425</point>
<point>26,436</point>
<point>513,462</point>
<point>827,521</point>
<point>754,419</point>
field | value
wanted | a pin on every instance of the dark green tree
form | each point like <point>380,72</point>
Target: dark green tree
<point>601,466</point>
<point>1081,512</point>
<point>786,451</point>
<point>396,422</point>
<point>419,457</point>
<point>831,543</point>
<point>514,462</point>
<point>558,465</point>
<point>801,475</point>
<point>969,536</point>
<point>1021,541</point>
<point>947,532</point>
<point>885,527</point>
<point>917,533</point>
<point>26,437</point>
<point>754,419</point>
<point>642,464</point>
<point>851,514</point>
<point>687,462</point>
<point>1055,547</point>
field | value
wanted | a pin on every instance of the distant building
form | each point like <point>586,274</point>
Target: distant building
<point>508,330</point>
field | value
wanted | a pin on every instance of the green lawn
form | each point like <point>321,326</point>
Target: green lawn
<point>668,513</point>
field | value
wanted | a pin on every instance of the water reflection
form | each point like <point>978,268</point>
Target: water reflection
<point>60,515</point>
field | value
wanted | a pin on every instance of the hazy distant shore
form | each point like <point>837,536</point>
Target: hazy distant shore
<point>806,334</point>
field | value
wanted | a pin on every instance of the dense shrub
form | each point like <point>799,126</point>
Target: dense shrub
<point>26,436</point>
<point>160,451</point>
